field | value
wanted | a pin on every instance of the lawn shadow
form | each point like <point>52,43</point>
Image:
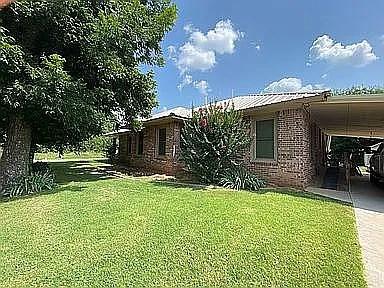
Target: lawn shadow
<point>82,171</point>
<point>303,194</point>
<point>176,184</point>
<point>56,190</point>
<point>284,191</point>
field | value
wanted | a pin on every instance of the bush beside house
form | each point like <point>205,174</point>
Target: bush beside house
<point>213,144</point>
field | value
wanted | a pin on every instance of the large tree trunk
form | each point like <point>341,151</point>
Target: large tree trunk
<point>15,158</point>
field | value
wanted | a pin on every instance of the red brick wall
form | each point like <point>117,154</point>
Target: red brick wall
<point>167,164</point>
<point>297,151</point>
<point>300,150</point>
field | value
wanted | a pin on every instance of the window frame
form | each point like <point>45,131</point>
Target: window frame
<point>138,144</point>
<point>254,139</point>
<point>129,144</point>
<point>158,142</point>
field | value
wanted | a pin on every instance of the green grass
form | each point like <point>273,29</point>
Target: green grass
<point>69,155</point>
<point>135,233</point>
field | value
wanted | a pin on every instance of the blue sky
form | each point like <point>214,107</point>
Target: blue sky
<point>218,46</point>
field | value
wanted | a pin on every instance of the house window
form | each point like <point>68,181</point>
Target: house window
<point>161,141</point>
<point>265,139</point>
<point>140,143</point>
<point>129,145</point>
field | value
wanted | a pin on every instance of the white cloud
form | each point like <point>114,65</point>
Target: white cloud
<point>324,76</point>
<point>193,58</point>
<point>172,52</point>
<point>221,39</point>
<point>199,52</point>
<point>202,86</point>
<point>326,49</point>
<point>256,46</point>
<point>187,80</point>
<point>291,85</point>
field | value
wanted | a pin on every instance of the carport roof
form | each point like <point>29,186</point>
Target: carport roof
<point>351,115</point>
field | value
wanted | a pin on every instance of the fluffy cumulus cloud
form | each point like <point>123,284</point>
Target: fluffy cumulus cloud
<point>193,58</point>
<point>326,49</point>
<point>291,85</point>
<point>199,53</point>
<point>187,80</point>
<point>202,86</point>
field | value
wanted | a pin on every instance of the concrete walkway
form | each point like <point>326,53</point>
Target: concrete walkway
<point>333,194</point>
<point>368,201</point>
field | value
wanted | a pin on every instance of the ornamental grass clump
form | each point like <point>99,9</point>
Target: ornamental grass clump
<point>41,179</point>
<point>214,142</point>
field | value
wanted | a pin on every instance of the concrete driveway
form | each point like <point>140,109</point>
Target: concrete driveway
<point>368,201</point>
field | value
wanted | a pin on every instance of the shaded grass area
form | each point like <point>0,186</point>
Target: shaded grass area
<point>121,232</point>
<point>69,155</point>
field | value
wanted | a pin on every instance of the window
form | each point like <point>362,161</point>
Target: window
<point>140,143</point>
<point>129,145</point>
<point>161,141</point>
<point>265,139</point>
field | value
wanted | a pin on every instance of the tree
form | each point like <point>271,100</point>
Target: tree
<point>214,141</point>
<point>359,90</point>
<point>67,66</point>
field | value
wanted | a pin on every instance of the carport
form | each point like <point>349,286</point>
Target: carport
<point>351,115</point>
<point>358,116</point>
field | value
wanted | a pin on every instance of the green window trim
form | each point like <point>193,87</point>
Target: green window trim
<point>265,140</point>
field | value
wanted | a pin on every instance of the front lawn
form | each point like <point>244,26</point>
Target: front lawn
<point>137,233</point>
<point>69,155</point>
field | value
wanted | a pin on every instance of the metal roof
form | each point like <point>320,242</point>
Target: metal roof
<point>241,103</point>
<point>178,112</point>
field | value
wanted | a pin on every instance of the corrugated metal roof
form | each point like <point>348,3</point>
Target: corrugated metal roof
<point>178,112</point>
<point>242,103</point>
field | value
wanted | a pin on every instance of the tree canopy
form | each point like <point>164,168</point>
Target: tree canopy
<point>359,90</point>
<point>69,66</point>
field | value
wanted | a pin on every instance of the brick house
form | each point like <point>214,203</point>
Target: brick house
<point>288,148</point>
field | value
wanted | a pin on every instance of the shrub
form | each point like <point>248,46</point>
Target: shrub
<point>239,178</point>
<point>213,141</point>
<point>35,183</point>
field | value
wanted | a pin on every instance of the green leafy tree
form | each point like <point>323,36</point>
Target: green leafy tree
<point>68,66</point>
<point>359,90</point>
<point>214,141</point>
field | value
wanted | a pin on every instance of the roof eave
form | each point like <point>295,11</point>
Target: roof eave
<point>295,103</point>
<point>164,119</point>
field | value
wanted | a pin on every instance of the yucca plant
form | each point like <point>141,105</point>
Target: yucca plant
<point>239,178</point>
<point>35,183</point>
